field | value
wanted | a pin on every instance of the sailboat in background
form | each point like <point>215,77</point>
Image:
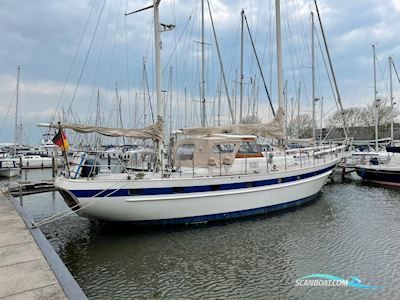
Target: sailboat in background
<point>22,156</point>
<point>204,186</point>
<point>8,165</point>
<point>373,169</point>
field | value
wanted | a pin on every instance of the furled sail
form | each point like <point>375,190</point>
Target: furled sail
<point>273,129</point>
<point>154,131</point>
<point>302,141</point>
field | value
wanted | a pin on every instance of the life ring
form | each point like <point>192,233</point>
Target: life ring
<point>227,161</point>
<point>212,162</point>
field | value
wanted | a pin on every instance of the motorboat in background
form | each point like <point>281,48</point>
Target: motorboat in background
<point>47,146</point>
<point>385,173</point>
<point>35,161</point>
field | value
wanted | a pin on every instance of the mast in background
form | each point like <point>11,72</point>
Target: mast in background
<point>185,109</point>
<point>16,138</point>
<point>313,76</point>
<point>391,101</point>
<point>298,111</point>
<point>322,115</point>
<point>170,99</point>
<point>241,69</point>
<point>375,100</point>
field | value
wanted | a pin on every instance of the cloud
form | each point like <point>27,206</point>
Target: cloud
<point>43,37</point>
<point>396,4</point>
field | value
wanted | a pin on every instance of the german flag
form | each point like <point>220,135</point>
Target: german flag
<point>60,139</point>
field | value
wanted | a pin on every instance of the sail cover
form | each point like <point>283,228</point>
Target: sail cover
<point>302,141</point>
<point>273,129</point>
<point>154,131</point>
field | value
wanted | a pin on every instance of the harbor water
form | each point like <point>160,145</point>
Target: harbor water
<point>350,230</point>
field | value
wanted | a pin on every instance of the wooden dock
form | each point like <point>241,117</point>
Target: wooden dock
<point>29,266</point>
<point>28,187</point>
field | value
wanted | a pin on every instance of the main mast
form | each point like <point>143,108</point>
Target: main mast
<point>279,52</point>
<point>203,81</point>
<point>157,49</point>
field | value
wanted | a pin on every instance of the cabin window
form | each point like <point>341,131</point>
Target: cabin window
<point>249,147</point>
<point>185,152</point>
<point>223,148</point>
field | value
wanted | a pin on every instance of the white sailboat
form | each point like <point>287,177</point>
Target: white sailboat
<point>8,166</point>
<point>207,185</point>
<point>381,167</point>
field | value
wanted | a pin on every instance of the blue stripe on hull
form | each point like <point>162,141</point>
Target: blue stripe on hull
<point>192,189</point>
<point>223,216</point>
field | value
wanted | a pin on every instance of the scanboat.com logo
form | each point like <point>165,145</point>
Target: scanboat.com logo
<point>330,280</point>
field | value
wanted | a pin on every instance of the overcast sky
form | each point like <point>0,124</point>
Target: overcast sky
<point>70,50</point>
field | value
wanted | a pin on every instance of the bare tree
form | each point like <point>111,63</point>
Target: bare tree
<point>384,114</point>
<point>300,127</point>
<point>354,118</point>
<point>363,116</point>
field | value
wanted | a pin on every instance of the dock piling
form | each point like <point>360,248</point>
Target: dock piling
<point>21,201</point>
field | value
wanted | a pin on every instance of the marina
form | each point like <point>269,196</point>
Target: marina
<point>256,257</point>
<point>205,150</point>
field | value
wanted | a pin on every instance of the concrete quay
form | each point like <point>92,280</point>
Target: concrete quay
<point>29,266</point>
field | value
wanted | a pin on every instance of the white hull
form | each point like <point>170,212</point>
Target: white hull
<point>189,207</point>
<point>9,172</point>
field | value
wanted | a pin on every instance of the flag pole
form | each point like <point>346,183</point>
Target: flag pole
<point>63,150</point>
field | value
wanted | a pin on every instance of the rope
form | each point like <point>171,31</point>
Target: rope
<point>381,73</point>
<point>8,111</point>
<point>86,58</point>
<point>72,64</point>
<point>259,65</point>
<point>71,210</point>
